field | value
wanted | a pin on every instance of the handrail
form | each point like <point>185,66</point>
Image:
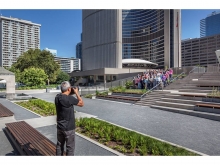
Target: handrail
<point>159,84</point>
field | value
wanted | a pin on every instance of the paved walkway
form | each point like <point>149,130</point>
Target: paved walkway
<point>196,133</point>
<point>47,126</point>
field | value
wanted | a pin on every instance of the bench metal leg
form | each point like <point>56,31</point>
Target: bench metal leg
<point>18,148</point>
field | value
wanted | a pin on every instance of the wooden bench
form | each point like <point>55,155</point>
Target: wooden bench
<point>28,140</point>
<point>208,105</point>
<point>5,112</point>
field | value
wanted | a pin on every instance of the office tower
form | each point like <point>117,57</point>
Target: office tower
<point>16,37</point>
<point>210,25</point>
<point>112,35</point>
<point>68,64</point>
<point>200,51</point>
<point>79,50</point>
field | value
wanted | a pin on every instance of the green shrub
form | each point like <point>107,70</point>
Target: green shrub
<point>39,106</point>
<point>126,141</point>
<point>128,84</point>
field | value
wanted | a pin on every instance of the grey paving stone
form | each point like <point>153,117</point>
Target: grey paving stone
<point>6,147</point>
<point>82,148</point>
<point>196,133</point>
<point>19,113</point>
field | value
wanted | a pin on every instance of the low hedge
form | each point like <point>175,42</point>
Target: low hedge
<point>125,141</point>
<point>38,106</point>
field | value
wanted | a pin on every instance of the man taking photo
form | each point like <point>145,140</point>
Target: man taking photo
<point>64,103</point>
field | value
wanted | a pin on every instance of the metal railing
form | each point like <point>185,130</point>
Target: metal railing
<point>159,84</point>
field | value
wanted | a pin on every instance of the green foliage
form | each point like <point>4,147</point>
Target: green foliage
<point>33,77</point>
<point>215,93</point>
<point>128,84</point>
<point>62,76</point>
<point>39,59</point>
<point>39,106</point>
<point>126,141</point>
<point>122,89</point>
<point>37,87</point>
<point>17,73</point>
<point>101,93</point>
<point>88,96</point>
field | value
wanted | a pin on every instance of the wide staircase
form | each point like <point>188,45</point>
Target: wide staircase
<point>188,96</point>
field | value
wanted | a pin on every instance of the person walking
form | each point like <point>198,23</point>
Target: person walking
<point>64,103</point>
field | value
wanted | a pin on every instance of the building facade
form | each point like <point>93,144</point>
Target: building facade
<point>53,51</point>
<point>200,51</point>
<point>16,37</point>
<point>79,50</point>
<point>68,64</point>
<point>112,35</point>
<point>210,25</point>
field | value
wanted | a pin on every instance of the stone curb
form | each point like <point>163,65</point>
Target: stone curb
<point>24,107</point>
<point>176,145</point>
<point>100,145</point>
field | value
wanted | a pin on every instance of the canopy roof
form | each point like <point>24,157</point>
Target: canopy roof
<point>4,71</point>
<point>137,61</point>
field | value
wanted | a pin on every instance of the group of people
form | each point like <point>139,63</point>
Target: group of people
<point>151,78</point>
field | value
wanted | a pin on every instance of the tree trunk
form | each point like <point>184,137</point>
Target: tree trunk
<point>48,82</point>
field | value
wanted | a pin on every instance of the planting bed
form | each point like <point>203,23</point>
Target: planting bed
<point>39,106</point>
<point>125,141</point>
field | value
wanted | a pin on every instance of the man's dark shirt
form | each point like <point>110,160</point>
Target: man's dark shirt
<point>65,111</point>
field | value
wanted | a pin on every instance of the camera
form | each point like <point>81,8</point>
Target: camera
<point>72,91</point>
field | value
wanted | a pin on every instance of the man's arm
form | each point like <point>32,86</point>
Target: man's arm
<point>80,103</point>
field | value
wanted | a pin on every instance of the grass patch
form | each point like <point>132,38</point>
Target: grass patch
<point>37,87</point>
<point>38,106</point>
<point>215,93</point>
<point>122,89</point>
<point>125,141</point>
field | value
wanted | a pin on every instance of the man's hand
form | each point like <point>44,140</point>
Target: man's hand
<point>75,90</point>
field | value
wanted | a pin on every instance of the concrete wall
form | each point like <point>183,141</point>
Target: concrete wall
<point>1,43</point>
<point>177,39</point>
<point>10,85</point>
<point>166,38</point>
<point>102,40</point>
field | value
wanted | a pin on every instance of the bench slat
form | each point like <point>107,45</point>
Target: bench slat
<point>39,140</point>
<point>41,144</point>
<point>43,137</point>
<point>16,135</point>
<point>208,105</point>
<point>5,112</point>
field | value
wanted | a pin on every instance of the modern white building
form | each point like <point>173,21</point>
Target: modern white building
<point>16,37</point>
<point>68,64</point>
<point>53,51</point>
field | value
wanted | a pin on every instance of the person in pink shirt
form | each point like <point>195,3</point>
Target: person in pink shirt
<point>170,73</point>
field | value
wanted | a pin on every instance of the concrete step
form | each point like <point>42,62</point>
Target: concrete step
<point>197,88</point>
<point>195,91</point>
<point>175,105</point>
<point>143,104</point>
<point>185,101</point>
<point>205,115</point>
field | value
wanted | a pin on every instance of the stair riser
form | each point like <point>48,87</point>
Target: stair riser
<point>180,101</point>
<point>206,116</point>
<point>118,100</point>
<point>208,110</point>
<point>194,91</point>
<point>167,104</point>
<point>197,88</point>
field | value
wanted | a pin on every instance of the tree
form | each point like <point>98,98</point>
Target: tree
<point>62,76</point>
<point>39,59</point>
<point>16,72</point>
<point>33,77</point>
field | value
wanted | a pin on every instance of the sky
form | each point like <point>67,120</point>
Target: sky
<point>61,29</point>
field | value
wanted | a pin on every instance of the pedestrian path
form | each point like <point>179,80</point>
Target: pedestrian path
<point>47,126</point>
